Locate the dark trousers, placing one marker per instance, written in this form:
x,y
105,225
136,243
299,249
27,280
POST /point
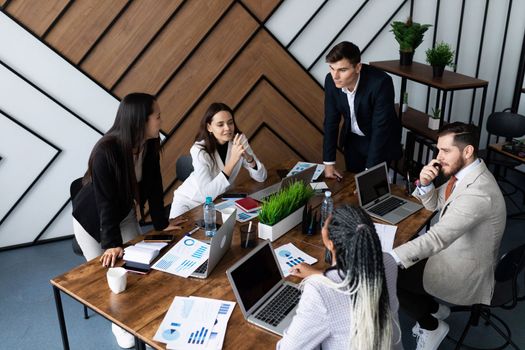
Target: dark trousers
x,y
413,298
356,150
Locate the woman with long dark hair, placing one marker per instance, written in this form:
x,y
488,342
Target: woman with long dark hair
x,y
353,304
123,170
219,152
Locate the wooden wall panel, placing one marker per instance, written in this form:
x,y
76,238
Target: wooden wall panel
x,y
190,53
127,38
206,64
81,25
172,47
261,8
36,15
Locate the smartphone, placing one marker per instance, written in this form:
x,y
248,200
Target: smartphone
x,y
233,195
136,269
159,238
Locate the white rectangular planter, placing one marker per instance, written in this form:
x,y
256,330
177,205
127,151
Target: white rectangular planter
x,y
274,232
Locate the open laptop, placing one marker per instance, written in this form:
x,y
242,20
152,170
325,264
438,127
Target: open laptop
x,y
375,197
305,176
265,298
219,245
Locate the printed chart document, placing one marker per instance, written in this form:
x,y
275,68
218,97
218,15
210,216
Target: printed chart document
x,y
289,255
195,323
184,257
242,216
386,234
300,166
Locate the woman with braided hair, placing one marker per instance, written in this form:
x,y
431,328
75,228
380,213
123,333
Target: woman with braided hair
x,y
353,304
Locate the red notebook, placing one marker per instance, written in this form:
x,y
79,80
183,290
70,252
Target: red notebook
x,y
248,204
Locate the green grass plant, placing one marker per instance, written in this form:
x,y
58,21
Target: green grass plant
x,y
283,203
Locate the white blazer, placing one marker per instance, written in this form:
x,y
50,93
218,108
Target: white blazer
x,y
208,180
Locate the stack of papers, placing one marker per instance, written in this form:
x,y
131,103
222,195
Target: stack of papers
x,y
142,252
289,255
195,323
184,257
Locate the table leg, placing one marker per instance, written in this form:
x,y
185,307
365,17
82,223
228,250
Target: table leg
x,y
139,344
61,320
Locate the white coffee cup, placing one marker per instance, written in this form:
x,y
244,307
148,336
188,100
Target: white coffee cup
x,y
226,212
117,279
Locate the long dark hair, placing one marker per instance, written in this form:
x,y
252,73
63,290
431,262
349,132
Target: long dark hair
x,y
127,135
210,142
360,264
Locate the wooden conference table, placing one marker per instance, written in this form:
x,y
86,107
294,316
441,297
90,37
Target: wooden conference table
x,y
142,306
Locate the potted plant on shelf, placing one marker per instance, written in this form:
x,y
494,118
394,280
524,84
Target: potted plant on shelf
x,y
409,35
283,210
405,102
433,121
438,57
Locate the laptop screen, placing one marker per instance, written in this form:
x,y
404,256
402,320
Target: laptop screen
x,y
373,184
256,276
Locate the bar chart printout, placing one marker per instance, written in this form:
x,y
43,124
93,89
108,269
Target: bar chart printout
x,y
184,257
190,322
289,255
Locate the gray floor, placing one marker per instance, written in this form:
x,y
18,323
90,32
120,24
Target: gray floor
x,y
28,316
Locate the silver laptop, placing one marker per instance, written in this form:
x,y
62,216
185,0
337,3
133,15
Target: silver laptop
x,y
265,298
305,176
219,245
375,197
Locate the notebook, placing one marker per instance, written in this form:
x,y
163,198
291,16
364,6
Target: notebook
x,y
305,176
375,197
265,298
248,204
219,245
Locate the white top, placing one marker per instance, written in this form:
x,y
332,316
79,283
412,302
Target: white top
x,y
323,315
207,178
350,96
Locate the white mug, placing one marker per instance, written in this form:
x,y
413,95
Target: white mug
x,y
117,279
226,212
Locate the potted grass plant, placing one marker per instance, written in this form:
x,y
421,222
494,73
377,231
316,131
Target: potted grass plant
x,y
283,210
433,120
409,35
438,57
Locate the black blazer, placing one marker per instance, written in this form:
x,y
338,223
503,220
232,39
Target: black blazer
x,y
100,207
375,114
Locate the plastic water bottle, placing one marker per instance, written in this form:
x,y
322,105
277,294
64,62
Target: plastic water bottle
x,y
327,207
210,216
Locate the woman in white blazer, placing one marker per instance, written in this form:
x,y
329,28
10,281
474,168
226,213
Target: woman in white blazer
x,y
219,152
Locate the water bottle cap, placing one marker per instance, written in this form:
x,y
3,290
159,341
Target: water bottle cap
x,y
328,194
208,200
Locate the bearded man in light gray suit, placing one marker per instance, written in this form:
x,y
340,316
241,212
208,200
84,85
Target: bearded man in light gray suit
x,y
454,260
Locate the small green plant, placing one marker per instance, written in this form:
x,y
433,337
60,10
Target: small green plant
x,y
283,203
408,34
436,113
440,55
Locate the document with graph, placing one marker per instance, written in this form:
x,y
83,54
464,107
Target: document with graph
x,y
195,323
184,257
289,255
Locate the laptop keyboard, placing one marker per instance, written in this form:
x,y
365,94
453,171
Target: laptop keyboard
x,y
280,306
387,206
203,268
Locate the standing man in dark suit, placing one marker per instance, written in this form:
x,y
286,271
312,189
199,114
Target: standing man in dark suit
x,y
364,96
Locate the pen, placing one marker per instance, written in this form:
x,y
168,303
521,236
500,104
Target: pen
x,y
192,231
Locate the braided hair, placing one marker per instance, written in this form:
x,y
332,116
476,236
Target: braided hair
x,y
359,263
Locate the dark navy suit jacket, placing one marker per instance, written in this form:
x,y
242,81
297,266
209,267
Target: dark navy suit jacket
x,y
375,114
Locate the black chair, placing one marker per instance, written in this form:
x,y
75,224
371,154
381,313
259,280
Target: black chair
x,y
74,188
505,297
184,167
507,125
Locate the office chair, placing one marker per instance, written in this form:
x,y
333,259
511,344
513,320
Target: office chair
x,y
507,125
74,188
184,167
505,297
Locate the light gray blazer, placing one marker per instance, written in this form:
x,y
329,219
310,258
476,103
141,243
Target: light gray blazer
x,y
462,247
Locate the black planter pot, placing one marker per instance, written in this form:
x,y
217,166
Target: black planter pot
x,y
437,71
406,58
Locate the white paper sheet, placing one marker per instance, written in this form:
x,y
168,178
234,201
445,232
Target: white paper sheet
x,y
184,257
289,255
386,234
300,166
